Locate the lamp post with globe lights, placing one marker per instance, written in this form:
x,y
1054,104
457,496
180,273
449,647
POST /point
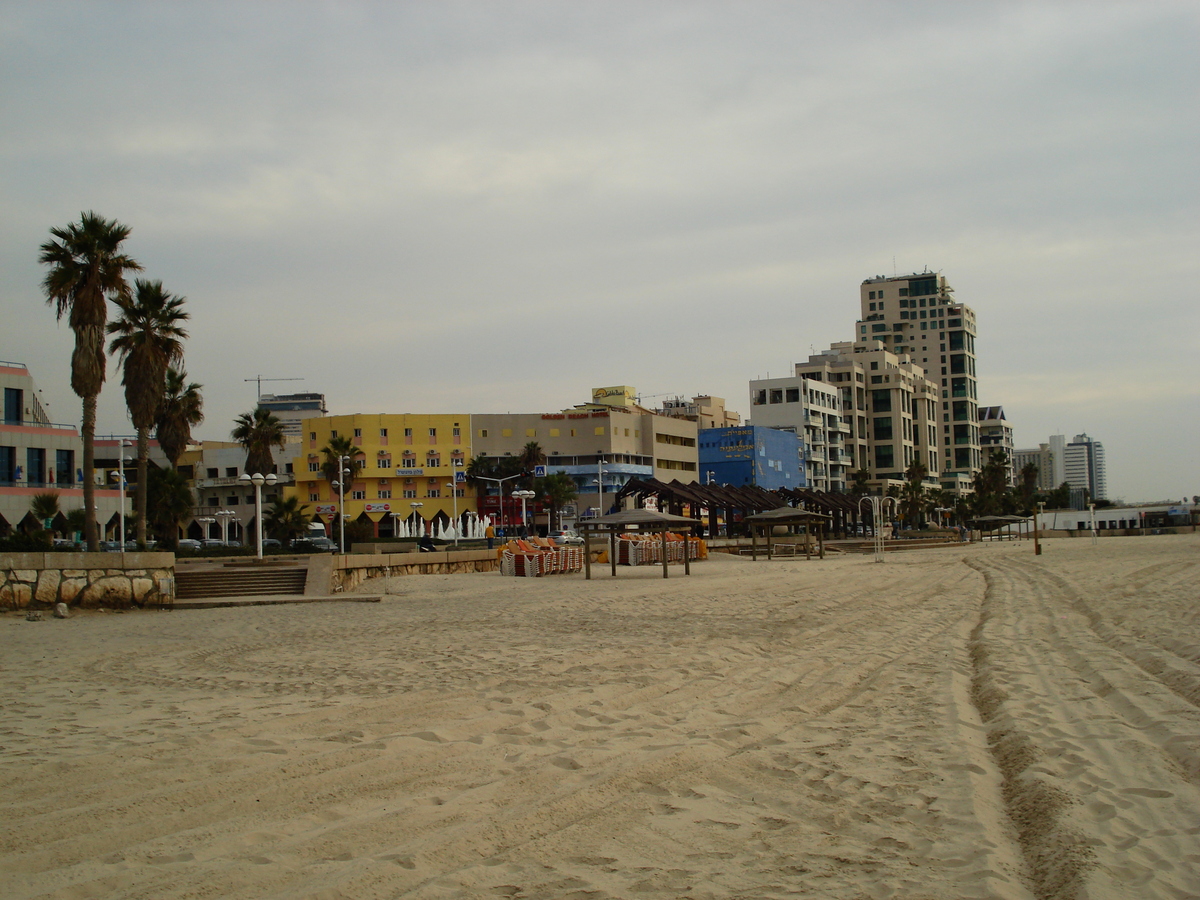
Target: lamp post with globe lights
x,y
258,480
225,515
343,474
523,496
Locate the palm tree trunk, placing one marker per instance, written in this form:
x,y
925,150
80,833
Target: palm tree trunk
x,y
88,430
143,439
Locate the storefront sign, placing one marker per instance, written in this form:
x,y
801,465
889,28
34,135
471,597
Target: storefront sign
x,y
409,472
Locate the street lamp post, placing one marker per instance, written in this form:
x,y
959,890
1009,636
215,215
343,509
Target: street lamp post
x,y
206,521
500,489
225,515
415,505
258,480
600,463
523,496
121,445
340,484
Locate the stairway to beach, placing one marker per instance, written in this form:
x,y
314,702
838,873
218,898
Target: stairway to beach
x,y
240,581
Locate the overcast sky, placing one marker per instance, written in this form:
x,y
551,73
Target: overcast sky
x,y
492,206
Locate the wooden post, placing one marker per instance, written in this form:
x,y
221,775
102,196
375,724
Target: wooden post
x,y
587,554
821,538
687,539
612,549
753,544
664,553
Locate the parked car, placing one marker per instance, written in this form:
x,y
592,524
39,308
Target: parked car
x,y
189,544
314,545
212,544
565,537
268,544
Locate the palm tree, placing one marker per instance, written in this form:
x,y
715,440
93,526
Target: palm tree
x,y
258,432
182,407
287,519
859,479
170,502
148,339
531,455
86,269
914,491
339,446
556,490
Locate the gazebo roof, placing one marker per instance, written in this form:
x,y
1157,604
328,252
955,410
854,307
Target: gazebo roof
x,y
785,514
641,518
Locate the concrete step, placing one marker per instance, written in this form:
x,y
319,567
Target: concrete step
x,y
240,583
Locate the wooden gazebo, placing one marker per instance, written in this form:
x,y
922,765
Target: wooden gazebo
x,y
646,520
786,515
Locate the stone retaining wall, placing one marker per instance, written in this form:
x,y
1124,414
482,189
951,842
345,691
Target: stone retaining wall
x,y
88,580
352,570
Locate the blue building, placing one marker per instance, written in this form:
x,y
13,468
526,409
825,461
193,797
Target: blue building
x,y
751,455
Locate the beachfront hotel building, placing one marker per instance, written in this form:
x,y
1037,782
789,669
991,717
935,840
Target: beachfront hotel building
x,y
1084,467
605,442
860,407
39,456
1043,459
995,438
916,317
808,406
401,460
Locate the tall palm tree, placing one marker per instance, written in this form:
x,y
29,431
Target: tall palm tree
x,y
148,339
531,455
182,407
87,268
339,446
258,432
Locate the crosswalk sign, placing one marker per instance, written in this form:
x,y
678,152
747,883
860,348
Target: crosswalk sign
x,y
460,477
539,471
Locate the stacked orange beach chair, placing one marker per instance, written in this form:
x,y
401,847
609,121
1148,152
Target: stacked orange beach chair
x,y
539,556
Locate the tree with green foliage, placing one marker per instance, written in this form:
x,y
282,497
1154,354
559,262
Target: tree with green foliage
x,y
87,268
1027,487
43,506
259,431
287,519
148,339
912,502
182,407
340,446
556,490
859,479
531,455
1060,497
169,502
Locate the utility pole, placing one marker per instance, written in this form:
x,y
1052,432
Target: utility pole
x,y
258,379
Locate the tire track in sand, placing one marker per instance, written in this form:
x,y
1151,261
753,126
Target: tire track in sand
x,y
1090,744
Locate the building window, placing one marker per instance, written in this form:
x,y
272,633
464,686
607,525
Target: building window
x,y
793,395
776,395
384,494
314,467
457,432
410,494
333,433
433,432
313,496
358,495
483,432
383,432
434,493
358,432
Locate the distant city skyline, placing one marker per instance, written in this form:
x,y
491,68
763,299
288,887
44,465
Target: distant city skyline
x,y
497,206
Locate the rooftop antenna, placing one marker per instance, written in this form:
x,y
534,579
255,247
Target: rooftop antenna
x,y
258,379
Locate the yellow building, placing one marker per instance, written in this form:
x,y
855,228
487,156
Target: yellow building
x,y
402,460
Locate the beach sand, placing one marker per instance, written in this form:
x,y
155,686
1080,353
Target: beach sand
x,y
971,722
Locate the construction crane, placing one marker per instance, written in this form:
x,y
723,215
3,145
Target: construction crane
x,y
258,379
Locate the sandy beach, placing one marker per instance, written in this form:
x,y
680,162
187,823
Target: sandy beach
x,y
973,722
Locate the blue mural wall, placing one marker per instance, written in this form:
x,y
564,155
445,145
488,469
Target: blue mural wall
x,y
751,455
